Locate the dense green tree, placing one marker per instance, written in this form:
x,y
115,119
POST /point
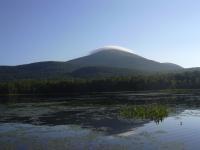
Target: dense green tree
x,y
188,80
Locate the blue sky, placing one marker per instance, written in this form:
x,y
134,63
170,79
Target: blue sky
x,y
41,30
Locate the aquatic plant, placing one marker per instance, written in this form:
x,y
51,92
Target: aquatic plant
x,y
153,112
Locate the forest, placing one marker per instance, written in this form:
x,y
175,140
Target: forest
x,y
186,80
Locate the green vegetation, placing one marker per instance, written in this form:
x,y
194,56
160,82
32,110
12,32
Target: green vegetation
x,y
187,80
153,112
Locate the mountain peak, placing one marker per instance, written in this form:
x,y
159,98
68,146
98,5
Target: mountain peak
x,y
112,48
108,60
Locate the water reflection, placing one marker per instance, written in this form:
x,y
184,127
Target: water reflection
x,y
111,113
100,118
105,121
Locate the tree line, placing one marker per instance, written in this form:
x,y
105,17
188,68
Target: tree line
x,y
186,80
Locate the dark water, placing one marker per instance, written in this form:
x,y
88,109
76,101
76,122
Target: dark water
x,y
123,120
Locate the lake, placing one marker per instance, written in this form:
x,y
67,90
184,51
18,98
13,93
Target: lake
x,y
118,120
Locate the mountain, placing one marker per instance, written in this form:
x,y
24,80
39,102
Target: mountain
x,y
93,72
40,70
118,58
107,61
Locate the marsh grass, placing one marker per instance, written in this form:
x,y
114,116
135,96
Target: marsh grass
x,y
155,112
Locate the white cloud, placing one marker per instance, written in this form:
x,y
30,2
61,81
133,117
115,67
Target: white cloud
x,y
113,47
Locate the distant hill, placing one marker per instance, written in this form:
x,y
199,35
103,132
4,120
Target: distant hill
x,y
117,58
94,72
107,61
40,70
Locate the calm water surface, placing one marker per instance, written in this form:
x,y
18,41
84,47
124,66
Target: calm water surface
x,y
124,120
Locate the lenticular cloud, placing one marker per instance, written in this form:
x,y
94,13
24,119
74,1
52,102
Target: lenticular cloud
x,y
119,48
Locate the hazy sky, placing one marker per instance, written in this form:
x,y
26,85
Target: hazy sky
x,y
40,30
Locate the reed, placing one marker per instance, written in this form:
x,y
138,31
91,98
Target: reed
x,y
155,112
